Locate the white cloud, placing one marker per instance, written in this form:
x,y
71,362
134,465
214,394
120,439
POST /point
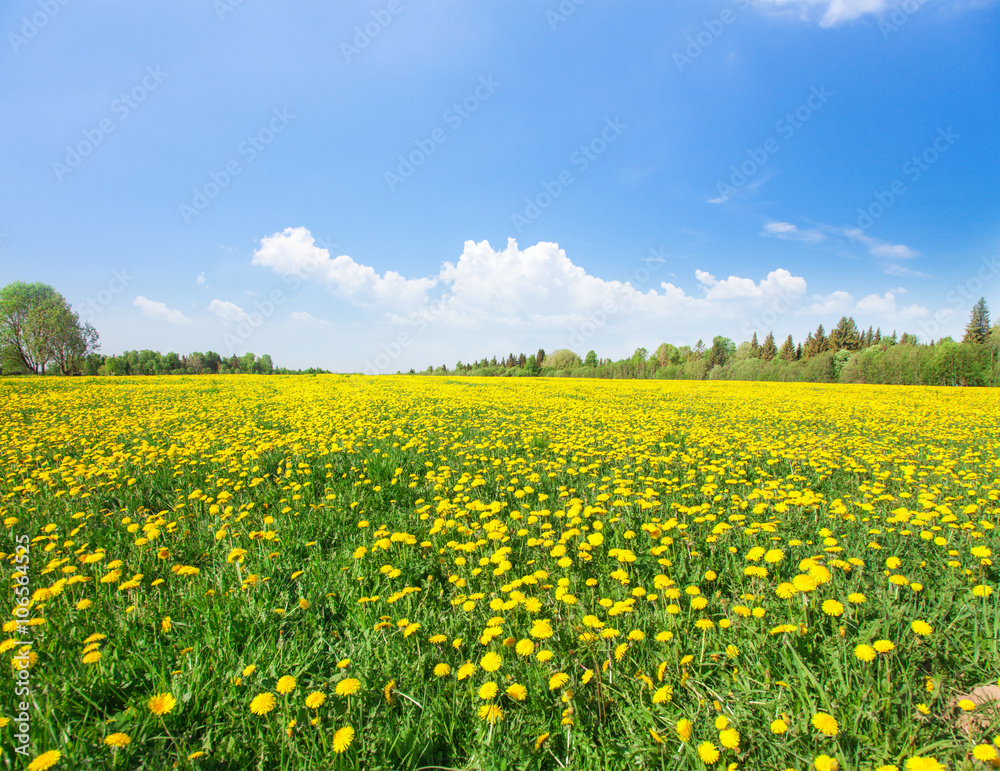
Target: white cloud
x,y
876,305
836,303
201,278
789,232
159,311
833,11
294,252
227,310
308,318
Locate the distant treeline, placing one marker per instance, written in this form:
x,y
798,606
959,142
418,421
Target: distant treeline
x,y
845,355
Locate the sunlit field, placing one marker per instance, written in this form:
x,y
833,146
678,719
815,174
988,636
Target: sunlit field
x,y
399,573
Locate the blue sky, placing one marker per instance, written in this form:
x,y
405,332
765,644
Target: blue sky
x,y
391,184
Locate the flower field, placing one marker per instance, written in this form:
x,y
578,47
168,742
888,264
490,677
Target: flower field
x,y
402,573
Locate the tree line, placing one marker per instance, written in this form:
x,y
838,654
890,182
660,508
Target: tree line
x,y
846,354
40,334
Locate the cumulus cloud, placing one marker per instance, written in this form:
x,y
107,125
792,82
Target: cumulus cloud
x,y
294,252
159,311
227,310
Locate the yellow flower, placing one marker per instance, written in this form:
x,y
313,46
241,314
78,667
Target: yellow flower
x,y
558,680
442,670
684,729
315,699
865,653
117,740
541,740
985,752
825,763
928,763
262,703
779,726
708,752
92,657
45,760
966,705
466,670
730,739
856,598
982,590
348,687
663,695
517,692
488,690
165,625
884,646
833,608
343,738
491,662
249,670
524,647
161,703
490,713
923,709
923,629
285,684
825,723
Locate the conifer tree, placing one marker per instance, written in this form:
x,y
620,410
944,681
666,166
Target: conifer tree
x,y
769,350
978,329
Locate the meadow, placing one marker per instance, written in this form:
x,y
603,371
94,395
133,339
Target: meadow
x,y
403,573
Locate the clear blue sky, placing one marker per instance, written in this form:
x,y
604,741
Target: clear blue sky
x,y
439,181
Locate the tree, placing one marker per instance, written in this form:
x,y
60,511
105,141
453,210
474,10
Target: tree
x,y
591,359
754,347
38,326
769,350
562,359
787,352
978,329
540,357
845,335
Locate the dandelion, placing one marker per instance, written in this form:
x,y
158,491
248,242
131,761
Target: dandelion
x,y
490,713
285,684
856,598
488,691
927,763
165,625
442,670
833,608
45,760
923,629
982,590
161,703
825,763
985,752
118,740
541,740
315,700
347,687
966,705
730,739
663,695
524,647
884,646
262,703
517,692
825,724
864,653
684,729
491,662
466,670
708,752
558,680
342,739
779,726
